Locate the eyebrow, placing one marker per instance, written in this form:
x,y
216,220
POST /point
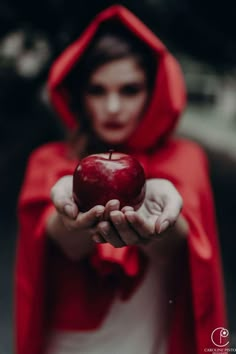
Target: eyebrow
x,y
132,82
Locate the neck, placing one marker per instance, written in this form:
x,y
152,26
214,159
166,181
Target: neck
x,y
95,145
83,144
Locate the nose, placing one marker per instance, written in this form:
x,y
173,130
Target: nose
x,y
113,103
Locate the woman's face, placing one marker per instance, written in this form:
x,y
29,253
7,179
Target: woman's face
x,y
115,99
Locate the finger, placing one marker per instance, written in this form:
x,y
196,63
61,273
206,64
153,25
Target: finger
x,y
91,217
113,204
61,196
126,233
171,211
108,232
71,210
127,208
66,206
98,238
144,227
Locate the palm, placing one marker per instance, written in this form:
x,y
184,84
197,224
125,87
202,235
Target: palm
x,y
161,202
154,203
151,209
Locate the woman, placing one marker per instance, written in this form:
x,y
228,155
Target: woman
x,y
111,280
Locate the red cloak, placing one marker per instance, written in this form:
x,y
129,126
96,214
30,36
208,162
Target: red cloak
x,y
77,288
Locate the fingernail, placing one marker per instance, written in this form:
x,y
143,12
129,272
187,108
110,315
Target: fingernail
x,y
130,215
116,218
69,210
104,231
99,212
127,208
164,226
113,202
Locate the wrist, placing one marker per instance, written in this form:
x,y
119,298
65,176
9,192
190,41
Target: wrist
x,y
180,229
74,244
55,226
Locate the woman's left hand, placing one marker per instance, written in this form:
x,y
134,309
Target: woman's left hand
x,y
159,212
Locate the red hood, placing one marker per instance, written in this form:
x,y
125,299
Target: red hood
x,y
169,91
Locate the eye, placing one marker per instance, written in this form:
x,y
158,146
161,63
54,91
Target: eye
x,y
132,89
95,90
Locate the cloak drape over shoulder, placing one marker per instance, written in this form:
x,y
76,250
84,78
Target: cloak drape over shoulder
x,y
199,304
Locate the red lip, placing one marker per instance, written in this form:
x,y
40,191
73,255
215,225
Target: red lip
x,y
113,125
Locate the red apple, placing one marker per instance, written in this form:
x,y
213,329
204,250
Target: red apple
x,y
99,178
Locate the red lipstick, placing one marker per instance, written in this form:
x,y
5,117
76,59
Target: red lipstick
x,y
113,125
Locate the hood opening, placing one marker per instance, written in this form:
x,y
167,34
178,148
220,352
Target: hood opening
x,y
168,90
111,42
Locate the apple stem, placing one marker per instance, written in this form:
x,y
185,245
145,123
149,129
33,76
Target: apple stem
x,y
110,151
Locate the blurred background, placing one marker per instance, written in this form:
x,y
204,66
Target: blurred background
x,y
201,34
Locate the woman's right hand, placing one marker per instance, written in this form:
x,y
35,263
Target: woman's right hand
x,y
71,229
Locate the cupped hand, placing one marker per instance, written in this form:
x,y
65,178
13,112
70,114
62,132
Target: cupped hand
x,y
160,211
114,228
61,196
71,229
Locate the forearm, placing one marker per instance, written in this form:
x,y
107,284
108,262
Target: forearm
x,y
73,245
174,236
180,229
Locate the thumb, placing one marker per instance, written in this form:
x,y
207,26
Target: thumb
x,y
71,210
61,196
66,206
168,217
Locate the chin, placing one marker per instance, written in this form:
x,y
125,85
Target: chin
x,y
114,142
114,139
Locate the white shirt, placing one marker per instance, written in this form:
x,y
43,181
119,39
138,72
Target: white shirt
x,y
135,326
